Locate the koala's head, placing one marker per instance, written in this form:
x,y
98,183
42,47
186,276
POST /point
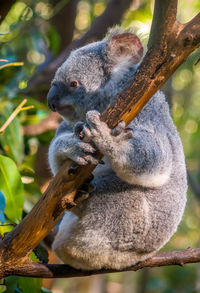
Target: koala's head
x,y
88,70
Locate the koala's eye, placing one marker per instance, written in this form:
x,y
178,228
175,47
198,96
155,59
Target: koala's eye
x,y
74,83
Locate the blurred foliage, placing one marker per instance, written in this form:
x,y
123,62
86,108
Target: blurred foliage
x,y
28,37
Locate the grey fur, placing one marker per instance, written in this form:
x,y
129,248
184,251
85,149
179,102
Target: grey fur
x,y
140,192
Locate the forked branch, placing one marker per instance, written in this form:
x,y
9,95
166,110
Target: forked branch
x,y
168,51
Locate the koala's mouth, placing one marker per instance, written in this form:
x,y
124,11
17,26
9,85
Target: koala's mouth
x,y
66,111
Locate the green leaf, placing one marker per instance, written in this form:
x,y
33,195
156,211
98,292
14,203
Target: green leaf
x,y
33,257
12,188
11,284
30,285
23,285
5,228
11,139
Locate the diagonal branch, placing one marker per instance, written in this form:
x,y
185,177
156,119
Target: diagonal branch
x,y
158,65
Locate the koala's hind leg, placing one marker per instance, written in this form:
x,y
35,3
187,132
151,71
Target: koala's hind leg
x,y
83,242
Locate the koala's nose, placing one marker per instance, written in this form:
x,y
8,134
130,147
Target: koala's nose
x,y
53,98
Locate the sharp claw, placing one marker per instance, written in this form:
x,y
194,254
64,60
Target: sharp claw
x,y
87,188
78,128
80,196
73,168
128,129
80,191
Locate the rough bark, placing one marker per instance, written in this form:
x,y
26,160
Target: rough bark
x,y
179,257
170,50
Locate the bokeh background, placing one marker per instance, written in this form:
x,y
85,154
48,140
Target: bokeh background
x,y
35,37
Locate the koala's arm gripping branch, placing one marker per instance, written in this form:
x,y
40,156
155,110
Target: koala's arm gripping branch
x,y
169,49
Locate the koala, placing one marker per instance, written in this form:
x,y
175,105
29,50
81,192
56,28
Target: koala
x,y
140,190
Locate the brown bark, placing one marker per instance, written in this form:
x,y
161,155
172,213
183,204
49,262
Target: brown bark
x,y
171,49
179,257
64,22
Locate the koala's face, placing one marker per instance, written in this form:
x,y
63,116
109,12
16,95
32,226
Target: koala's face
x,y
76,87
81,75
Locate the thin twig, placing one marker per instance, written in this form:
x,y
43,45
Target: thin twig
x,y
12,64
13,115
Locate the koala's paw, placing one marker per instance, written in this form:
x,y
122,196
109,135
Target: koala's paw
x,y
105,139
95,130
84,153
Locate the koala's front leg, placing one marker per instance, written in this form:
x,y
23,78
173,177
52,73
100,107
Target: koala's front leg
x,y
143,157
67,145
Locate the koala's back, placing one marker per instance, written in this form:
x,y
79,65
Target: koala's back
x,y
120,223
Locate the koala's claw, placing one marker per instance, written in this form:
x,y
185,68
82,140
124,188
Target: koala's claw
x,y
119,128
86,159
84,192
73,168
78,127
80,196
126,134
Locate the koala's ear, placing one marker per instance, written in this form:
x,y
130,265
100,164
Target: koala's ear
x,y
126,46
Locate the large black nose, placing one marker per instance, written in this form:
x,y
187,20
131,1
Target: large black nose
x,y
53,97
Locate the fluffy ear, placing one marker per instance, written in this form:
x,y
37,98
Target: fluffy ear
x,y
125,47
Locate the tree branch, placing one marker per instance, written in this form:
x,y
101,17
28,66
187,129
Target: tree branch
x,y
179,257
64,21
163,21
158,65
